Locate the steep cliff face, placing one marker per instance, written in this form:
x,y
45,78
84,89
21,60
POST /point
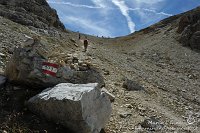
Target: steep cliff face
x,y
36,13
189,28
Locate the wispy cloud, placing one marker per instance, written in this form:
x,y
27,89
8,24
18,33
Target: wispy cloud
x,y
150,10
105,5
75,5
125,11
101,17
87,25
150,2
100,3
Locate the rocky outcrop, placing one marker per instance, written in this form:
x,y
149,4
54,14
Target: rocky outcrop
x,y
36,13
189,28
183,23
31,66
79,107
195,40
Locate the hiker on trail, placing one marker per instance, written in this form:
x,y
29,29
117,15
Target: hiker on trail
x,y
79,36
85,43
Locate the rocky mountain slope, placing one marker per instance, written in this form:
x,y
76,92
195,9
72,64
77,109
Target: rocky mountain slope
x,y
36,13
189,27
153,59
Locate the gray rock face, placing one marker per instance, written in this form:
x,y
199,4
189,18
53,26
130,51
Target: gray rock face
x,y
79,107
195,40
185,36
36,13
183,22
29,66
189,28
2,81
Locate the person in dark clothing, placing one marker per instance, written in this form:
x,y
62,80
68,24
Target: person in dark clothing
x,y
79,36
85,43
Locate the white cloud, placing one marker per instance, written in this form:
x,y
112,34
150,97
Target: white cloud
x,y
106,6
158,13
148,1
125,11
74,5
101,3
150,10
88,25
96,16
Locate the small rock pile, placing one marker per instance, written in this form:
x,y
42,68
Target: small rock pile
x,y
189,28
75,63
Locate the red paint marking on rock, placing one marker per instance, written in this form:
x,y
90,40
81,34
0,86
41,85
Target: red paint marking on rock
x,y
50,68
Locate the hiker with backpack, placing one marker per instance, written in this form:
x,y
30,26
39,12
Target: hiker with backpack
x,y
85,43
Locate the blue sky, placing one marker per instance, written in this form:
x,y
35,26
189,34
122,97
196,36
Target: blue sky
x,y
116,17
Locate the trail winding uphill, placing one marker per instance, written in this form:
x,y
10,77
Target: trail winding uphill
x,y
168,71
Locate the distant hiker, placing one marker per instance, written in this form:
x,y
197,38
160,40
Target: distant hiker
x,y
79,36
85,43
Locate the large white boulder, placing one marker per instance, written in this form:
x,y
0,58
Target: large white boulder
x,y
82,108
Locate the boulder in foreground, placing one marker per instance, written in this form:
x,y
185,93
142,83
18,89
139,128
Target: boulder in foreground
x,y
79,107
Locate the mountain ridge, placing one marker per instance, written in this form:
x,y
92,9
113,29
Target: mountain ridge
x,y
36,13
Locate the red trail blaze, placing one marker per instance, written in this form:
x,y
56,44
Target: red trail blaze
x,y
49,68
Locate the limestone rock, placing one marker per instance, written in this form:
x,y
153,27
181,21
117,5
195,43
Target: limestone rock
x,y
79,107
28,42
185,36
2,55
183,22
195,40
125,114
106,72
189,28
36,13
132,85
110,95
196,26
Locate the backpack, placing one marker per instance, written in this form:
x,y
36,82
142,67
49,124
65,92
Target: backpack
x,y
86,42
